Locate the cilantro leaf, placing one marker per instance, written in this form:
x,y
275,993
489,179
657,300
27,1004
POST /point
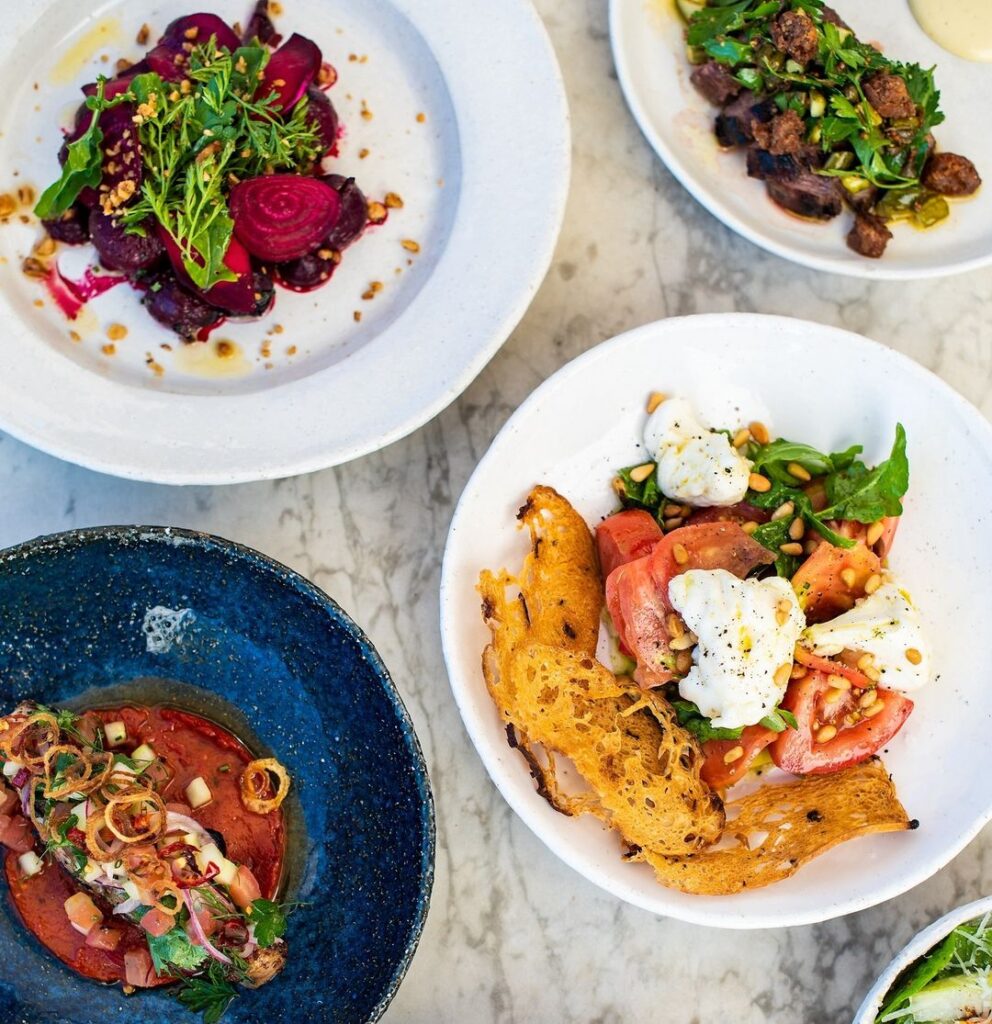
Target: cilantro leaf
x,y
269,920
174,949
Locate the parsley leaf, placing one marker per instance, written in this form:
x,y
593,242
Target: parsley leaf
x,y
269,920
210,995
174,949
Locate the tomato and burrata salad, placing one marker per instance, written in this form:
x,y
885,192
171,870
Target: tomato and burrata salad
x,y
748,577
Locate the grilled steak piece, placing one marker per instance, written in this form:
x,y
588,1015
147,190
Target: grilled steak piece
x,y
869,235
782,134
795,34
808,194
889,95
951,175
735,125
763,165
715,82
863,201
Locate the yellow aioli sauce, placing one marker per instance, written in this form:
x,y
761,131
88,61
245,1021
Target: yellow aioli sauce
x,y
221,358
96,40
963,27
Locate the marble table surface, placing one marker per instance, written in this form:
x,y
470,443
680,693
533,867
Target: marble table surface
x,y
514,936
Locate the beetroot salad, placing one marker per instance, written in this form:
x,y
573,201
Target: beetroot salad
x,y
198,174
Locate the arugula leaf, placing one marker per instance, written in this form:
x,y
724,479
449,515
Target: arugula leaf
x,y
867,495
773,458
646,494
693,720
174,949
269,920
777,496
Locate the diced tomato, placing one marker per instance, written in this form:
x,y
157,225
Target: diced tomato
x,y
819,583
8,799
742,512
624,537
716,773
797,750
84,915
207,922
828,665
103,937
156,922
245,889
15,833
178,808
138,968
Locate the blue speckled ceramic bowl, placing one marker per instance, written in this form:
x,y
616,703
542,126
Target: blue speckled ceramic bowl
x,y
93,616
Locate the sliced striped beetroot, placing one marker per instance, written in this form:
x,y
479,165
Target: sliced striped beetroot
x,y
291,71
281,217
236,296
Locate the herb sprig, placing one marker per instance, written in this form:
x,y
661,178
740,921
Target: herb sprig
x,y
693,720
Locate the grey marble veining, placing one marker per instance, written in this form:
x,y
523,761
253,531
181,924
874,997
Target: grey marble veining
x,y
514,936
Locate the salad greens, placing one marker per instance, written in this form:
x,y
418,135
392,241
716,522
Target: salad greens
x,y
693,720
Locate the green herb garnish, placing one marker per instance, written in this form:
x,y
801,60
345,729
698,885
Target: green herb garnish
x,y
269,920
693,720
175,950
60,841
210,995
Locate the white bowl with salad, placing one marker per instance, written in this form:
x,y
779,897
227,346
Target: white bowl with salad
x,y
924,701
943,976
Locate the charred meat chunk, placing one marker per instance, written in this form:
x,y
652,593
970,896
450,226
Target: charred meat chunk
x,y
715,82
889,95
782,135
735,125
869,235
795,34
951,175
807,194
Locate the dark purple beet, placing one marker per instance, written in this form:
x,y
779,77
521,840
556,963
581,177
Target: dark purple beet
x,y
306,273
169,56
264,290
121,251
178,309
260,26
72,227
354,212
324,117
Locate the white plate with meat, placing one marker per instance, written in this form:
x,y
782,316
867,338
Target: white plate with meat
x,y
653,63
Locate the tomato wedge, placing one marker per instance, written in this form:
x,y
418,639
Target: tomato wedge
x,y
624,537
638,610
828,665
740,513
716,773
797,750
819,581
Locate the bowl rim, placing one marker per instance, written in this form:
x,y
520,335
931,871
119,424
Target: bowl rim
x,y
177,536
522,805
917,946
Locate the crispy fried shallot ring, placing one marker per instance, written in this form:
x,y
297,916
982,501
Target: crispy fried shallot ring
x,y
166,887
144,824
75,775
257,785
20,751
102,854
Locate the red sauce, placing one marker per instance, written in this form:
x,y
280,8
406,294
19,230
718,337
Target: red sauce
x,y
70,296
191,746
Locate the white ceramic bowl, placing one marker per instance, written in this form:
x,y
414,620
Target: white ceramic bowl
x,y
483,177
913,950
811,383
649,51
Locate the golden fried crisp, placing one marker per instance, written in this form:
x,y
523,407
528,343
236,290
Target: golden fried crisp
x,y
641,767
780,827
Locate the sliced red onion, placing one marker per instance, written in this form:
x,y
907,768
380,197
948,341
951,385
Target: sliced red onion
x,y
175,822
128,906
201,935
20,778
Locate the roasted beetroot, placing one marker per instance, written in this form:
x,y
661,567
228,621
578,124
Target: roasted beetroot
x,y
308,272
322,115
260,26
169,58
291,71
72,227
120,250
231,296
178,308
281,217
354,212
263,292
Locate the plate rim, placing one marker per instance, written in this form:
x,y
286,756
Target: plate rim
x,y
873,270
523,805
137,535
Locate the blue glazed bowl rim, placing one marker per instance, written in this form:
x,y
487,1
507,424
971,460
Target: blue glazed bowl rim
x,y
137,535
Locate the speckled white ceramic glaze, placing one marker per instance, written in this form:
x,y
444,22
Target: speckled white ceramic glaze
x,y
483,175
649,51
831,389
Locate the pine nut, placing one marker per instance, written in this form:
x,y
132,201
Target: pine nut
x,y
759,483
866,660
873,583
680,554
913,656
782,674
749,527
794,469
741,438
783,511
849,577
828,732
839,682
798,671
875,532
654,400
797,528
682,643
811,545
619,488
675,625
732,755
872,673
792,548
782,611
759,432
673,510
683,662
833,696
874,709
867,699
640,473
673,524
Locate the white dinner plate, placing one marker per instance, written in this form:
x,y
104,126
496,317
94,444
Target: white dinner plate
x,y
649,51
465,119
810,383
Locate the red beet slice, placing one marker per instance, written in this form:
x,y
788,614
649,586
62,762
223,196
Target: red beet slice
x,y
169,58
231,296
322,115
296,65
120,250
281,217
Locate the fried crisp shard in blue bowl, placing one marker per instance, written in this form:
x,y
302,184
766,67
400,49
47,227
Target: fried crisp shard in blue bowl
x,y
156,685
